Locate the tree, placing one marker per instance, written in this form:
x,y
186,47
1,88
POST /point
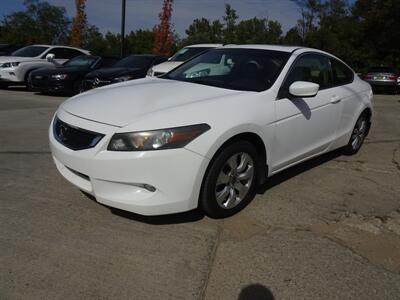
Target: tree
x,y
163,33
40,22
203,31
230,19
257,31
79,24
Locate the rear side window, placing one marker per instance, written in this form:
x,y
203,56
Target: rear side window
x,y
312,68
341,73
64,53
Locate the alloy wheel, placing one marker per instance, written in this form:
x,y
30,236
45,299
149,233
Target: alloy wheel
x,y
234,180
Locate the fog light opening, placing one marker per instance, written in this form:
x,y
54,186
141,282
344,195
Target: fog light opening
x,y
149,187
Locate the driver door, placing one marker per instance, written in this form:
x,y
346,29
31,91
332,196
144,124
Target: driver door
x,y
305,126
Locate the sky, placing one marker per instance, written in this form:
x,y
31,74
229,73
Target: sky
x,y
143,14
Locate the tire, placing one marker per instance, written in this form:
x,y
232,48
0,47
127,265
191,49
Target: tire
x,y
78,87
220,194
27,82
358,135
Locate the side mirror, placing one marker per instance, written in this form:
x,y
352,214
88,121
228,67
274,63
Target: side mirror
x,y
303,89
50,57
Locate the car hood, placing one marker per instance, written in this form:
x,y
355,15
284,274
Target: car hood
x,y
124,103
166,66
5,59
111,73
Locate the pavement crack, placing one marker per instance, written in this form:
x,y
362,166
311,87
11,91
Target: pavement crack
x,y
212,260
394,160
382,141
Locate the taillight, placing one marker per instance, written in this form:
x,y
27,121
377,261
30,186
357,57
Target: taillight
x,y
367,76
392,77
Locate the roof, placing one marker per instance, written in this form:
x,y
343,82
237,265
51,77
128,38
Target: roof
x,y
266,47
205,46
44,45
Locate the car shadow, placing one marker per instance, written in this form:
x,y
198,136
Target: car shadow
x,y
297,170
197,215
184,217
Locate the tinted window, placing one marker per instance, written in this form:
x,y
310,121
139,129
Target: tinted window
x,y
81,61
341,73
135,62
106,62
311,68
64,53
383,70
237,69
187,53
30,51
71,53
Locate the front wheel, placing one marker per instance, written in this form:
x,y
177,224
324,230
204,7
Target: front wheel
x,y
230,182
358,135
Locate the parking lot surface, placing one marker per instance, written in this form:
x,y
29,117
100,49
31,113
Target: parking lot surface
x,y
326,229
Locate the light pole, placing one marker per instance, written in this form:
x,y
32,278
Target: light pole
x,y
123,28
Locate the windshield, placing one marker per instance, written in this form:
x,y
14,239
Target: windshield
x,y
135,62
30,51
236,69
187,53
81,61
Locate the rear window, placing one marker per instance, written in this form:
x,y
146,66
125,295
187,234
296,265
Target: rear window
x,y
135,62
383,70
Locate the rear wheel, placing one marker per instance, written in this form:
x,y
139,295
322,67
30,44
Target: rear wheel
x,y
230,182
358,135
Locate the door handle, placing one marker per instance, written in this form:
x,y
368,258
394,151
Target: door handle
x,y
335,99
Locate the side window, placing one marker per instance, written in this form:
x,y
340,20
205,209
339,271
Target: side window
x,y
58,53
341,73
312,68
70,53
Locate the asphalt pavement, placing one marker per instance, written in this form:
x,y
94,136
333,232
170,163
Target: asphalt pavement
x,y
326,229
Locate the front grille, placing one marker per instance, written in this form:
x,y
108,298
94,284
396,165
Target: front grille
x,y
73,137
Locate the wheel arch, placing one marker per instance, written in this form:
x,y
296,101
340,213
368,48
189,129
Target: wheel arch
x,y
259,145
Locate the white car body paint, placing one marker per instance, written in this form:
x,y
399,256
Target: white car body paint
x,y
292,131
28,64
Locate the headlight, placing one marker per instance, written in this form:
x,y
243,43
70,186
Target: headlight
x,y
150,72
10,65
156,139
59,76
123,78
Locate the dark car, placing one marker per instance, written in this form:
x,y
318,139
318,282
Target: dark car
x,y
383,79
128,68
7,49
68,77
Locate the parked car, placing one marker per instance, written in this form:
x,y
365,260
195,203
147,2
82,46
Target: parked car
x,y
208,139
128,68
180,57
15,69
384,79
8,49
68,77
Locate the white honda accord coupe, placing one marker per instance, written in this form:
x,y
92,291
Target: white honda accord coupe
x,y
209,132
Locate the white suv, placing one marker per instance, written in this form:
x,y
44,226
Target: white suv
x,y
179,58
17,67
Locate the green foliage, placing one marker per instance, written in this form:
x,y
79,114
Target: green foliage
x,y
39,23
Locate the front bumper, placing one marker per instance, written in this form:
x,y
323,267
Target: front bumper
x,y
10,75
47,85
116,179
